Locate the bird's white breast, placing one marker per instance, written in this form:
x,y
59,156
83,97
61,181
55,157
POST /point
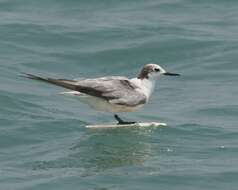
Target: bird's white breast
x,y
145,86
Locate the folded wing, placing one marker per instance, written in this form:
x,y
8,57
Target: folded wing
x,y
116,90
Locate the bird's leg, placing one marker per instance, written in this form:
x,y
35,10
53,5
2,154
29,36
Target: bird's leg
x,y
121,122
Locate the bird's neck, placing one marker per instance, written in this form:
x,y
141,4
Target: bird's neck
x,y
146,85
149,86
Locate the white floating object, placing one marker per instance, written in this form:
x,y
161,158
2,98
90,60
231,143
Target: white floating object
x,y
140,124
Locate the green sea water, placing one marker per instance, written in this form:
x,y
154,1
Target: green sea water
x,y
43,140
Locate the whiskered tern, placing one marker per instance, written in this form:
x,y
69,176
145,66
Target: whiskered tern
x,y
112,93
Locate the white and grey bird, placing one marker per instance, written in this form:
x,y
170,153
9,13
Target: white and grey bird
x,y
112,93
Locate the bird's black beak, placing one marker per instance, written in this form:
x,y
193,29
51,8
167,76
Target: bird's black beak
x,y
171,74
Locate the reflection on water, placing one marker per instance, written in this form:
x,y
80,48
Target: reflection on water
x,y
98,150
111,148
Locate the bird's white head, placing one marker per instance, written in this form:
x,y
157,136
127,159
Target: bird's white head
x,y
153,72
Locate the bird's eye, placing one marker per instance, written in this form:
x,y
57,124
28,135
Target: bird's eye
x,y
157,70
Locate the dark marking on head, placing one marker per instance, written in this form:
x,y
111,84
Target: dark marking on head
x,y
145,71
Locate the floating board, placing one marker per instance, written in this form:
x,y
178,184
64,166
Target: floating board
x,y
139,124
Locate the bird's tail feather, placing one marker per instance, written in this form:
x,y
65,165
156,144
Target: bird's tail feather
x,y
69,84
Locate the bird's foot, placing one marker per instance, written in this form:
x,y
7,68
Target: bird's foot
x,y
122,122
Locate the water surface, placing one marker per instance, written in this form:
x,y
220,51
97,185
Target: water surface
x,y
43,140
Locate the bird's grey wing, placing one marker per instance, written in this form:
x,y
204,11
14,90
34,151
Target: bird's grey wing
x,y
116,90
94,87
131,99
103,78
69,84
